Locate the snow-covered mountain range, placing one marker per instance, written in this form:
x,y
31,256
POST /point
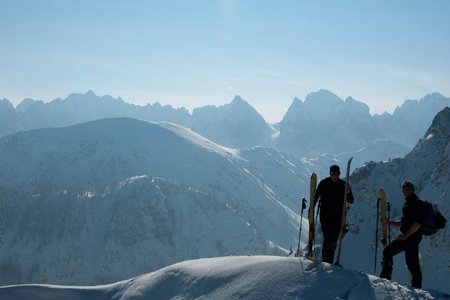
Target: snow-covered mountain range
x,y
110,199
322,124
116,190
253,277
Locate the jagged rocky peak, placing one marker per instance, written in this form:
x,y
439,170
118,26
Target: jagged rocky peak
x,y
90,93
243,106
430,104
238,103
294,111
28,103
238,99
440,127
323,97
323,103
434,97
357,106
5,104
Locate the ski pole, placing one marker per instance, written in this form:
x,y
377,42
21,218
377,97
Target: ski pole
x,y
301,222
389,220
376,237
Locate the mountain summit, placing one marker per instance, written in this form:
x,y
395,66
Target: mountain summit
x,y
236,124
254,277
325,123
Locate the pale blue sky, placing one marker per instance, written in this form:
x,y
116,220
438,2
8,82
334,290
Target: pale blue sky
x,y
194,53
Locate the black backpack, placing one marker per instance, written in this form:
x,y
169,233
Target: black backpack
x,y
433,219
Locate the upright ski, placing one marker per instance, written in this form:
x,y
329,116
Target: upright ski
x,y
382,215
344,211
312,204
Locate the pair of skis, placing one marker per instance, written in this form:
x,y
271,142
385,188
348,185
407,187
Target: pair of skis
x,y
311,236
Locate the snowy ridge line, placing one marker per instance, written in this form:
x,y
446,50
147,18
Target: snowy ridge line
x,y
235,277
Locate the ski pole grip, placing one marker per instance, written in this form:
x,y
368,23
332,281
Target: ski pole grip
x,y
303,202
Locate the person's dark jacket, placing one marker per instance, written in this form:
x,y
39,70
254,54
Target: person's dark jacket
x,y
413,211
331,202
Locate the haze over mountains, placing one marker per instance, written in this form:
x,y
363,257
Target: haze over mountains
x,y
322,124
110,199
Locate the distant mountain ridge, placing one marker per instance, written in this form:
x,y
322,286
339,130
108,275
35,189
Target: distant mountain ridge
x,y
322,124
236,125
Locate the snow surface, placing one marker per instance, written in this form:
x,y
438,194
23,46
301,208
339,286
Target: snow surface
x,y
236,277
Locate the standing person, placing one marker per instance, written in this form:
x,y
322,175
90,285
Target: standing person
x,y
410,237
331,191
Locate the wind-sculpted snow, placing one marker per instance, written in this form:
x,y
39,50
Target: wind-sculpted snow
x,y
258,277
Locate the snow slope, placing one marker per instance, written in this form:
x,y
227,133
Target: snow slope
x,y
105,235
256,277
137,189
103,152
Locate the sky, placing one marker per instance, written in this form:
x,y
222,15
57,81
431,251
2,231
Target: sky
x,y
195,53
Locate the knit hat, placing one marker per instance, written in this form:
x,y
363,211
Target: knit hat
x,y
409,184
334,169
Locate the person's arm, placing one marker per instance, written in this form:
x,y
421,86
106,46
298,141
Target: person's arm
x,y
414,227
318,192
395,223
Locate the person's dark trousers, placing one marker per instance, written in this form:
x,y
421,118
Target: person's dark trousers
x,y
330,239
411,248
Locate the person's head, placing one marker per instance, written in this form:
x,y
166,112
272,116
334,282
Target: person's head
x,y
335,172
408,188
